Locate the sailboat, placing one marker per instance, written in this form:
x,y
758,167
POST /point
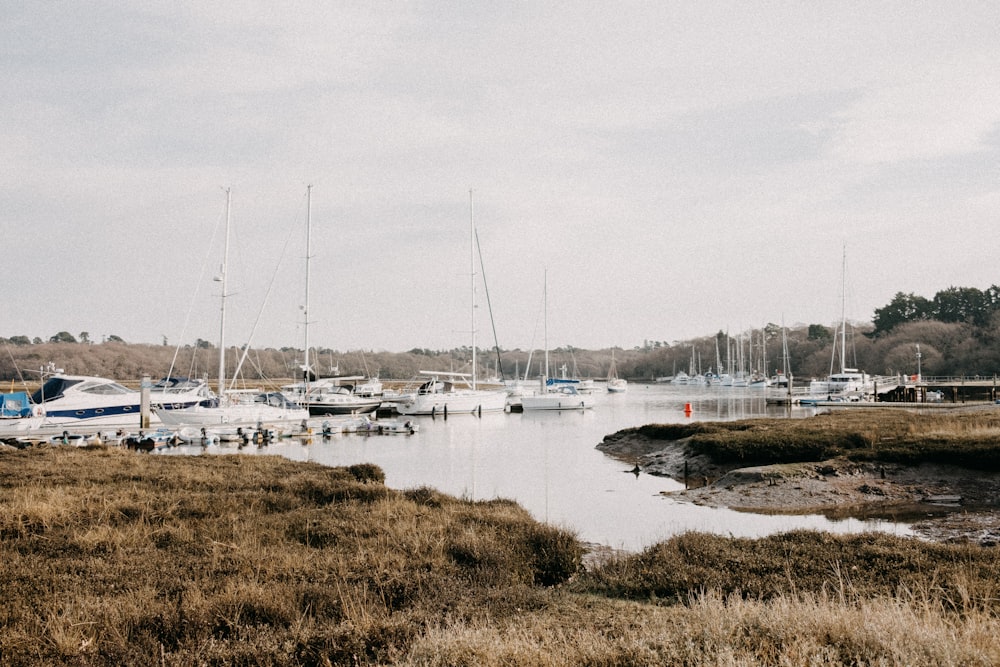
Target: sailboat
x,y
253,407
616,385
554,395
849,384
440,393
780,390
325,396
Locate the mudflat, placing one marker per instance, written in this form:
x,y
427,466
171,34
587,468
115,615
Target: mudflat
x,y
935,472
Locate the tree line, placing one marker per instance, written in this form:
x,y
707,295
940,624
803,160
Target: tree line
x,y
953,305
955,333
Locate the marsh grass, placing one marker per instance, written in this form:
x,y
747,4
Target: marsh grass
x,y
109,557
886,435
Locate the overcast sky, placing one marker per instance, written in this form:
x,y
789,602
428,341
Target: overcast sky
x,y
678,168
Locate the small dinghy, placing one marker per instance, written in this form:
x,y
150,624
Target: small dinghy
x,y
194,435
67,438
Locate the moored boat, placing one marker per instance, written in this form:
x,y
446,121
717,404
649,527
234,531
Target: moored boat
x,y
72,401
439,396
561,397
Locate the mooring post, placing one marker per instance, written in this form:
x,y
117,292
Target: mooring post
x,y
144,388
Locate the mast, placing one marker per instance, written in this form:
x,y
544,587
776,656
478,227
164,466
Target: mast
x,y
472,277
545,328
305,308
222,319
843,313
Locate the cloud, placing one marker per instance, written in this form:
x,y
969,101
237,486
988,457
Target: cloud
x,y
938,113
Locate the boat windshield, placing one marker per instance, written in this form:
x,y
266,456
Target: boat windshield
x,y
52,389
276,400
105,388
177,384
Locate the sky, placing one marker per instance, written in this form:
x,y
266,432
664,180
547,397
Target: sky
x,y
652,171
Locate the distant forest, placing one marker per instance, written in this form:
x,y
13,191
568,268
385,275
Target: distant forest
x,y
955,333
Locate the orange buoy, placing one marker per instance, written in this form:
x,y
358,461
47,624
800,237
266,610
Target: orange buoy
x,y
687,409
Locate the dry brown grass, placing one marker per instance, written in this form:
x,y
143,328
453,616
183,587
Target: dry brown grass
x,y
889,435
715,630
109,557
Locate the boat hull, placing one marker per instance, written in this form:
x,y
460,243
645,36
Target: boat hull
x,y
233,414
454,402
360,406
556,401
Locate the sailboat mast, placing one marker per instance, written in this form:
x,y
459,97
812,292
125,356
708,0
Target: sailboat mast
x,y
843,313
305,307
222,318
472,277
545,327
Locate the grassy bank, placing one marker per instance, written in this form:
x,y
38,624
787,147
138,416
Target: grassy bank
x,y
110,557
969,439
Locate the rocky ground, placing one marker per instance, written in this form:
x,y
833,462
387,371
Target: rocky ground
x,y
943,503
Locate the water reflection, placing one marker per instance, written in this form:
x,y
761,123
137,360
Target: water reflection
x,y
547,462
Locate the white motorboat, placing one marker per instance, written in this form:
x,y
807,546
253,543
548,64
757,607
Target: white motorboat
x,y
69,401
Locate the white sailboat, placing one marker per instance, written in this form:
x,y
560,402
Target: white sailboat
x,y
234,407
554,395
849,384
325,396
616,385
440,394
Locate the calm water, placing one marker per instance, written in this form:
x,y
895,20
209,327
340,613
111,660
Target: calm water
x,y
548,463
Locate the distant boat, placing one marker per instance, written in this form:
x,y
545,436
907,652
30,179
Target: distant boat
x,y
616,385
555,393
848,384
680,378
437,396
563,397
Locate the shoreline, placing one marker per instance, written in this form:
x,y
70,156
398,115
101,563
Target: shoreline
x,y
942,503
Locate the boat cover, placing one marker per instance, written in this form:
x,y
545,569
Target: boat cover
x,y
15,404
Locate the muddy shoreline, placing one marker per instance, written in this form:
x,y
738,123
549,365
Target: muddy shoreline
x,y
942,503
